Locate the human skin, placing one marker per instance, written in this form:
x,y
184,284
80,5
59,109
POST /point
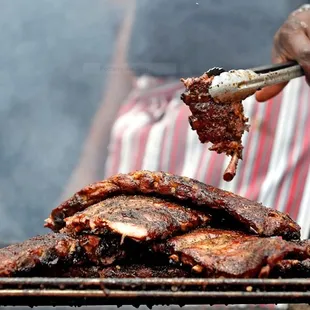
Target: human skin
x,y
291,42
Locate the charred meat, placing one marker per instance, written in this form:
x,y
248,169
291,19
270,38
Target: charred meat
x,y
102,251
292,268
131,271
41,250
141,218
220,123
135,224
143,271
60,250
224,253
116,271
252,216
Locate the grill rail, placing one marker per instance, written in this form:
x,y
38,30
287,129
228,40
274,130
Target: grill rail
x,y
155,291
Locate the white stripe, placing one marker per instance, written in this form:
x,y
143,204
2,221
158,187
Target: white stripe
x,y
116,133
151,159
282,142
128,147
193,152
203,168
253,147
172,113
303,104
231,186
303,217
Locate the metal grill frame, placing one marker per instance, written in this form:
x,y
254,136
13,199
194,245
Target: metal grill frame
x,y
153,291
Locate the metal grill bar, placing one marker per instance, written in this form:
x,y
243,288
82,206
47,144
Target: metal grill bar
x,y
56,291
152,281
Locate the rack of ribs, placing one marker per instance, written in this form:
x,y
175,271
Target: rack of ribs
x,y
142,218
222,124
155,224
249,215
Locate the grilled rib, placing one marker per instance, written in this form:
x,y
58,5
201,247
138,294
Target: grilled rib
x,y
222,124
40,250
59,249
216,253
253,216
141,218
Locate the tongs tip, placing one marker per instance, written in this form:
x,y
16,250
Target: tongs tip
x,y
240,84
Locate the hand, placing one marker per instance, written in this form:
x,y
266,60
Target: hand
x,y
291,42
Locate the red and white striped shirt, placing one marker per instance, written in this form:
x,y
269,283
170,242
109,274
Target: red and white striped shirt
x,y
152,132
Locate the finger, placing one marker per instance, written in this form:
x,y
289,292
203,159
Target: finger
x,y
294,44
269,92
291,43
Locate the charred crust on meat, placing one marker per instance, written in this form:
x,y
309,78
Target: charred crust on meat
x,y
116,271
141,218
252,216
60,249
291,268
230,254
40,250
222,124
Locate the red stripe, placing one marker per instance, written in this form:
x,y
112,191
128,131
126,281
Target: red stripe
x,y
198,175
290,162
300,172
295,198
165,155
268,130
177,155
115,154
116,140
210,173
140,148
214,172
253,189
288,207
162,155
243,165
135,141
144,134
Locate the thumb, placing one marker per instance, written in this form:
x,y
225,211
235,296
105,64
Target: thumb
x,y
269,92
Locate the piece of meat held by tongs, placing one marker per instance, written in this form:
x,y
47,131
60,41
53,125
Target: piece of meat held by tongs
x,y
215,100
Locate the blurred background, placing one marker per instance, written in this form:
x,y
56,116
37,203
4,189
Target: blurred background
x,y
49,92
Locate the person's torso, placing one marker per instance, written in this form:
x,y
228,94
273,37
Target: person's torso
x,y
187,37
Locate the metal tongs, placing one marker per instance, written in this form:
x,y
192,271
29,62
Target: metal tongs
x,y
239,84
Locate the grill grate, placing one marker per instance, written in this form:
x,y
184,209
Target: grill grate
x,y
77,292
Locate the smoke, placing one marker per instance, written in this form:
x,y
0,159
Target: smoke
x,y
47,100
